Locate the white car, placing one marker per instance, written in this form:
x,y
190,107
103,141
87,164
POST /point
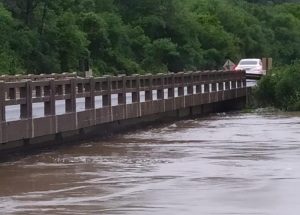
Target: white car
x,y
252,66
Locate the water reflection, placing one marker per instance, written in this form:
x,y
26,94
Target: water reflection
x,y
222,164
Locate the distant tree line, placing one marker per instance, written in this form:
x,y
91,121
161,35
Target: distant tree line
x,y
138,36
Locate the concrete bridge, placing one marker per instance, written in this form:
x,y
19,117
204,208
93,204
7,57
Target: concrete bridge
x,y
52,109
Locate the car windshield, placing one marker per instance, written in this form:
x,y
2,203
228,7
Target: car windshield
x,y
248,62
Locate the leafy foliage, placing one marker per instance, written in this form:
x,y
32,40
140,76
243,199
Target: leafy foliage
x,y
134,36
281,88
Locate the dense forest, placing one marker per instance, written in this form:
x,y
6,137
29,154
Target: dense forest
x,y
137,36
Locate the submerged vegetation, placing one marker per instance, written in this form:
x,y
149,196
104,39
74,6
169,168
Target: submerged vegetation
x,y
137,36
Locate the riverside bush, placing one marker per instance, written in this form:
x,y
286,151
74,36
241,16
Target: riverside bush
x,y
281,88
141,36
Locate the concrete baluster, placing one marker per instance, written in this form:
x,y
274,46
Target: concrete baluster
x,y
221,86
136,93
180,91
244,80
196,80
239,83
90,100
214,87
181,85
198,84
198,89
227,85
87,99
160,90
71,101
190,90
148,92
233,84
26,92
80,88
38,91
106,98
122,95
171,89
206,88
12,93
2,102
49,107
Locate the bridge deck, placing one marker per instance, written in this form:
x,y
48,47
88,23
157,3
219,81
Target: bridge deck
x,y
37,108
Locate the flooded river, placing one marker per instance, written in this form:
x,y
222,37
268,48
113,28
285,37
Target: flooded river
x,y
223,164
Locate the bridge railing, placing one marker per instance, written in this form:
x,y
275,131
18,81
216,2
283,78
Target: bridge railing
x,y
32,77
107,99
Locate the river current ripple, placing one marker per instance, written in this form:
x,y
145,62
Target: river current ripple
x,y
237,163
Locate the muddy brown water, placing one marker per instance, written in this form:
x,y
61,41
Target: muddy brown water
x,y
238,163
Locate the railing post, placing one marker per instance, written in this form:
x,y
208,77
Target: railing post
x,y
38,91
189,83
198,89
71,102
181,86
221,86
233,83
198,83
160,90
26,109
244,82
239,83
213,86
49,108
11,93
2,110
190,89
90,101
206,88
136,93
2,102
227,85
106,98
171,89
148,93
122,95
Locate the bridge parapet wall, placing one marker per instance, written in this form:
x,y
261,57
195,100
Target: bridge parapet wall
x,y
93,101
